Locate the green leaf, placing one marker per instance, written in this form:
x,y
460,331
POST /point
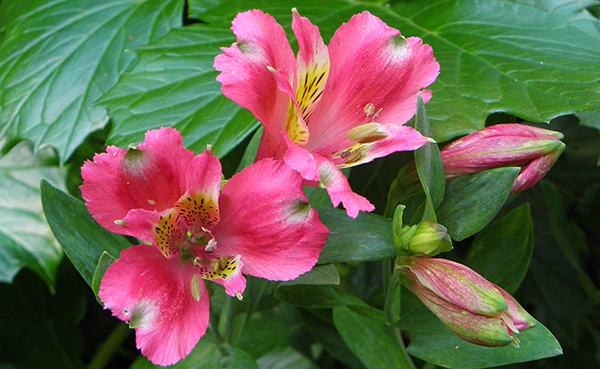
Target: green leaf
x,y
82,238
173,84
533,59
106,260
250,152
368,237
205,355
268,331
319,275
238,359
429,166
25,239
369,339
320,326
502,251
472,201
431,341
315,297
59,57
590,119
284,359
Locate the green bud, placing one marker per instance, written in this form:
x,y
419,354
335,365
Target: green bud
x,y
430,239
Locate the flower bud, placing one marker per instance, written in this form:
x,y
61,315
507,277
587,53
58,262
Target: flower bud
x,y
532,149
430,239
427,238
473,308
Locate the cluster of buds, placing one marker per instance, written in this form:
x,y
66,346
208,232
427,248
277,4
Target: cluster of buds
x,y
532,149
473,308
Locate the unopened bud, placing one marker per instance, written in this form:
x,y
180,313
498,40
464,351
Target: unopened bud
x,y
532,149
430,239
473,308
427,238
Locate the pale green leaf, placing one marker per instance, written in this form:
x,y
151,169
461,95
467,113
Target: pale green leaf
x,y
173,84
58,57
25,238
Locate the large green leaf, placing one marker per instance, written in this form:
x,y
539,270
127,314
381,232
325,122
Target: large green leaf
x,y
369,339
173,84
82,238
368,237
59,57
431,341
25,239
502,251
316,297
472,201
535,59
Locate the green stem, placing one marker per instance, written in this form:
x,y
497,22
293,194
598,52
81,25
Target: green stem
x,y
109,346
213,326
392,301
230,314
251,307
392,314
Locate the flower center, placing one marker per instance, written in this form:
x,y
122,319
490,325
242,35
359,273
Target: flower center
x,y
192,216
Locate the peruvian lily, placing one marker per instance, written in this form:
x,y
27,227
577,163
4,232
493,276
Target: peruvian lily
x,y
473,308
259,224
329,107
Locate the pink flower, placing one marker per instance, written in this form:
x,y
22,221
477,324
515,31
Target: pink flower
x,y
260,224
332,106
474,309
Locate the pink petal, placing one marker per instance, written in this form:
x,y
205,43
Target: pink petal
x,y
151,177
533,173
235,284
198,207
154,295
204,175
400,138
314,167
160,229
266,218
370,64
261,43
311,77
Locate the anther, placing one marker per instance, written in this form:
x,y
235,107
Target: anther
x,y
212,244
362,132
223,260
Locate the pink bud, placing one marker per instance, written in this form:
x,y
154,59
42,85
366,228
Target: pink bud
x,y
532,149
473,308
